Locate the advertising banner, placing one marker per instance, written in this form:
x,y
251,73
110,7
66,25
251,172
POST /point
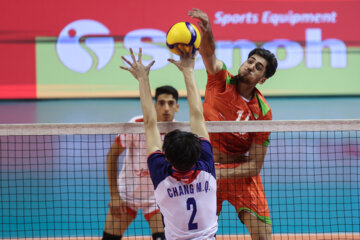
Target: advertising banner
x,y
73,49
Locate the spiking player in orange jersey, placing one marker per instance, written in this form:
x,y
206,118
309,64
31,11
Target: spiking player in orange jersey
x,y
239,156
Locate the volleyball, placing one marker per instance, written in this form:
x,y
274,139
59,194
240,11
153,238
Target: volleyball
x,y
183,33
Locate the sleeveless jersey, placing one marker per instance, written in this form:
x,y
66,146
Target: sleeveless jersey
x,y
187,200
223,103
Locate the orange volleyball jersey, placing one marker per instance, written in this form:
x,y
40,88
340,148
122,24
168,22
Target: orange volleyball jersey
x,y
223,103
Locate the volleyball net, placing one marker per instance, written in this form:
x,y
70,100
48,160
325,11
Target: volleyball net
x,y
54,181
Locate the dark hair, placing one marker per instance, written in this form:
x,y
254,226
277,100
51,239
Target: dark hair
x,y
182,149
269,57
166,90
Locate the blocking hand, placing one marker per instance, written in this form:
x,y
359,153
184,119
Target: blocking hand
x,y
187,58
137,69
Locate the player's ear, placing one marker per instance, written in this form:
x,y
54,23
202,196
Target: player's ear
x,y
177,107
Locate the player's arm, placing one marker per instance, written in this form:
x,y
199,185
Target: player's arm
x,y
186,66
112,174
112,167
207,45
141,73
250,168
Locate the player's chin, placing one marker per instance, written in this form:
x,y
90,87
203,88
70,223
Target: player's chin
x,y
166,117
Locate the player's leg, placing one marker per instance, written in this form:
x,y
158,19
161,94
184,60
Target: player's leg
x,y
153,217
157,227
251,204
258,229
115,226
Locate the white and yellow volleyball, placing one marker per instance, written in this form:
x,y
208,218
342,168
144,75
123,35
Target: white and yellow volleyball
x,y
183,33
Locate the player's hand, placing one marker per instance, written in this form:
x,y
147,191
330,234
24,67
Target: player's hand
x,y
204,23
187,58
117,206
136,68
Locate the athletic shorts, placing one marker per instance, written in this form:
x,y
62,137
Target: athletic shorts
x,y
245,194
149,209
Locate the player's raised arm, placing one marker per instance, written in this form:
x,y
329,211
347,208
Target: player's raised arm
x,y
207,45
141,73
186,66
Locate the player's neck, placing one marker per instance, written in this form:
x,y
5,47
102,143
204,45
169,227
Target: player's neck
x,y
246,91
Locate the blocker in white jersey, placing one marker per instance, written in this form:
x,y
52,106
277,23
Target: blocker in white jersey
x,y
187,199
136,190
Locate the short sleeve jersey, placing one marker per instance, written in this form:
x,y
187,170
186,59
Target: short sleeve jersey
x,y
187,200
223,103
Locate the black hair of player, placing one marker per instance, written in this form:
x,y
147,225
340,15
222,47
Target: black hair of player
x,y
166,90
182,149
270,58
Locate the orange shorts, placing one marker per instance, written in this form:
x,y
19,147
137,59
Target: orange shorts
x,y
245,194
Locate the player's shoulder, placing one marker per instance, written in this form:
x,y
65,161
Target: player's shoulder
x,y
263,105
139,118
206,144
202,139
218,80
220,71
135,119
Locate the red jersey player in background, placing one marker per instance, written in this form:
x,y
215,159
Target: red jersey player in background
x,y
239,156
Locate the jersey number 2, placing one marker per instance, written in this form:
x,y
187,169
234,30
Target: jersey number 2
x,y
189,202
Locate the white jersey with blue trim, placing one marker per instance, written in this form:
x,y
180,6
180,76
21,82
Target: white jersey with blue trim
x,y
187,201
